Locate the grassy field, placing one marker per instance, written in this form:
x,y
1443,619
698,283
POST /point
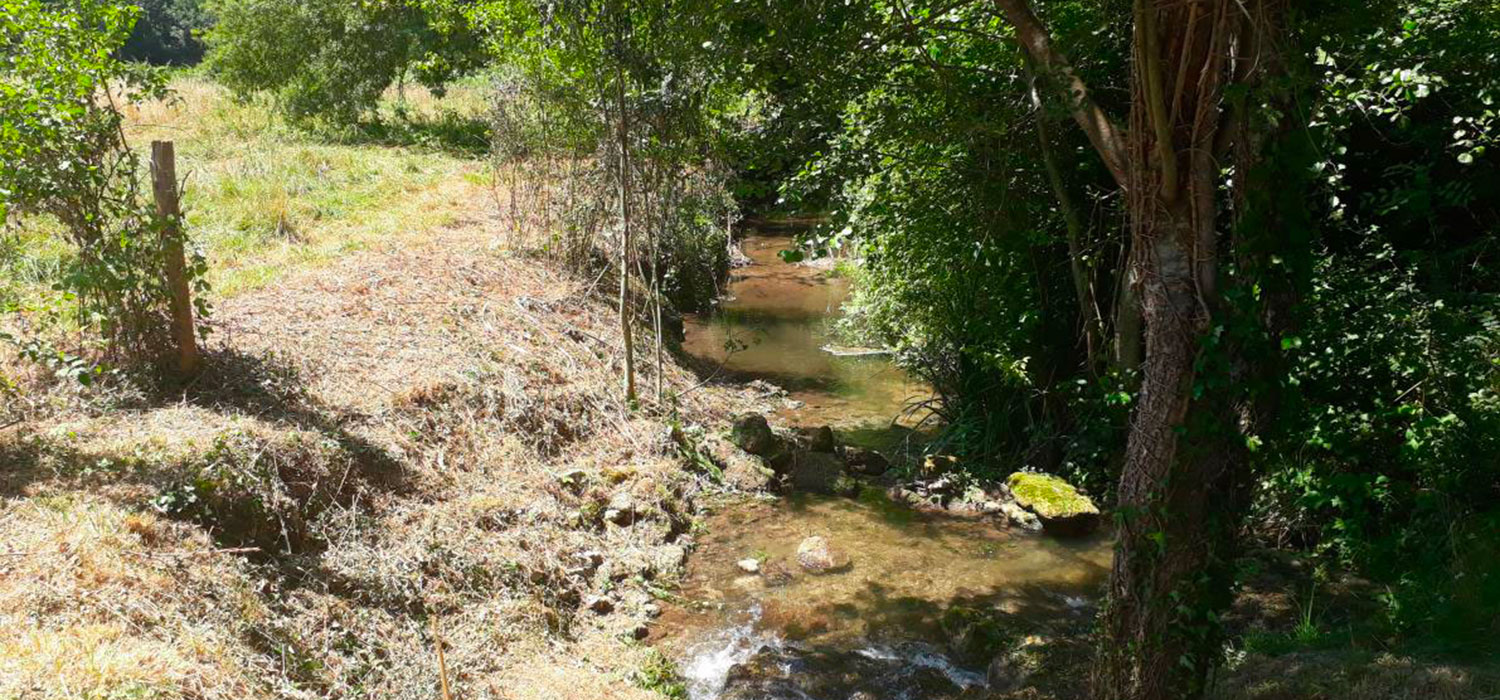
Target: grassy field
x,y
262,197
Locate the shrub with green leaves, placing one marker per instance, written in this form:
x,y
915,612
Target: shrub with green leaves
x,y
65,166
331,60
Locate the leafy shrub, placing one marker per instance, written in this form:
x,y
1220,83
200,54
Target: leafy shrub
x,y
65,165
330,61
169,32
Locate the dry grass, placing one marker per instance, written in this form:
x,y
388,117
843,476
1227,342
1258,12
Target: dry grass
x,y
1354,676
101,600
385,429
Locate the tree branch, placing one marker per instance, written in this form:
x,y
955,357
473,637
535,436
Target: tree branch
x,y
1096,124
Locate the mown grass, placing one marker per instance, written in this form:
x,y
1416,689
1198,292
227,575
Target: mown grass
x,y
262,196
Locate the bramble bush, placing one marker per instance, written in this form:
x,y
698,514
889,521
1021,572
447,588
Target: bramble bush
x,y
66,166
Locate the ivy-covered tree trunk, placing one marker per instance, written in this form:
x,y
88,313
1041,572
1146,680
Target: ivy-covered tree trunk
x,y
1182,491
1179,491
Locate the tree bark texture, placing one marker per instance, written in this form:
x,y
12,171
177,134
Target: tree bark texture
x,y
625,330
1181,488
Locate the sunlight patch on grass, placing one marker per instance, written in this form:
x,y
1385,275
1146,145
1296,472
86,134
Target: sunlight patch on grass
x,y
262,197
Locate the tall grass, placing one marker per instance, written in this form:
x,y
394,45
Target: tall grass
x,y
262,198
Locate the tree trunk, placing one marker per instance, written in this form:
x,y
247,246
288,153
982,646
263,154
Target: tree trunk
x,y
625,312
1182,487
1178,493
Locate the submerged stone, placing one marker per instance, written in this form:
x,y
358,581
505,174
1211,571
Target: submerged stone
x,y
817,472
818,556
1062,509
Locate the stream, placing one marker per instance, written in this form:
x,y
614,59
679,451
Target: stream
x,y
882,628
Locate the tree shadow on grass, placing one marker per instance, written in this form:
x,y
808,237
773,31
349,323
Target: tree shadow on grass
x,y
248,488
447,131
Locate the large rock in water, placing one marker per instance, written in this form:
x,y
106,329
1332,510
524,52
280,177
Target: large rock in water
x,y
752,434
1062,509
818,556
819,472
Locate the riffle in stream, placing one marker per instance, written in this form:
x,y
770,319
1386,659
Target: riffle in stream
x,y
884,627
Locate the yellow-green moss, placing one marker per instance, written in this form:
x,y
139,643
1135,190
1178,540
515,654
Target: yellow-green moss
x,y
1049,496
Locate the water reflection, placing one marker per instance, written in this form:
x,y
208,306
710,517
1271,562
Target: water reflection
x,y
774,324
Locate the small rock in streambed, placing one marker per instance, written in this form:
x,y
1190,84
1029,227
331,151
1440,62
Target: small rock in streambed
x,y
819,557
848,487
1020,517
651,610
749,566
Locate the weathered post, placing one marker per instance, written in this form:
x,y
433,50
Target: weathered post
x,y
164,188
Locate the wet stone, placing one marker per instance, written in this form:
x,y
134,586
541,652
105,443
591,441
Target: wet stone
x,y
752,434
816,555
821,439
817,472
1020,517
866,462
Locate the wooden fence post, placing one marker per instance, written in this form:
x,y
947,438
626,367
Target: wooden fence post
x,y
164,188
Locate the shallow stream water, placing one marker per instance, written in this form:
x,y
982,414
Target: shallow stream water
x,y
873,631
774,324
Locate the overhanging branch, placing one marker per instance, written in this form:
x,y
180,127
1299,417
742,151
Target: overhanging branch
x,y
1096,124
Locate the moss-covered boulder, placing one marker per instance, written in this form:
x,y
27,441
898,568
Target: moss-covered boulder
x,y
1063,509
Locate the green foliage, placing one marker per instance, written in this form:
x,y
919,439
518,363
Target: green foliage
x,y
329,61
932,169
169,32
659,675
1390,467
65,166
579,82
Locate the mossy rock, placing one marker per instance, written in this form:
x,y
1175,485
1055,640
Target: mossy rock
x,y
1062,509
